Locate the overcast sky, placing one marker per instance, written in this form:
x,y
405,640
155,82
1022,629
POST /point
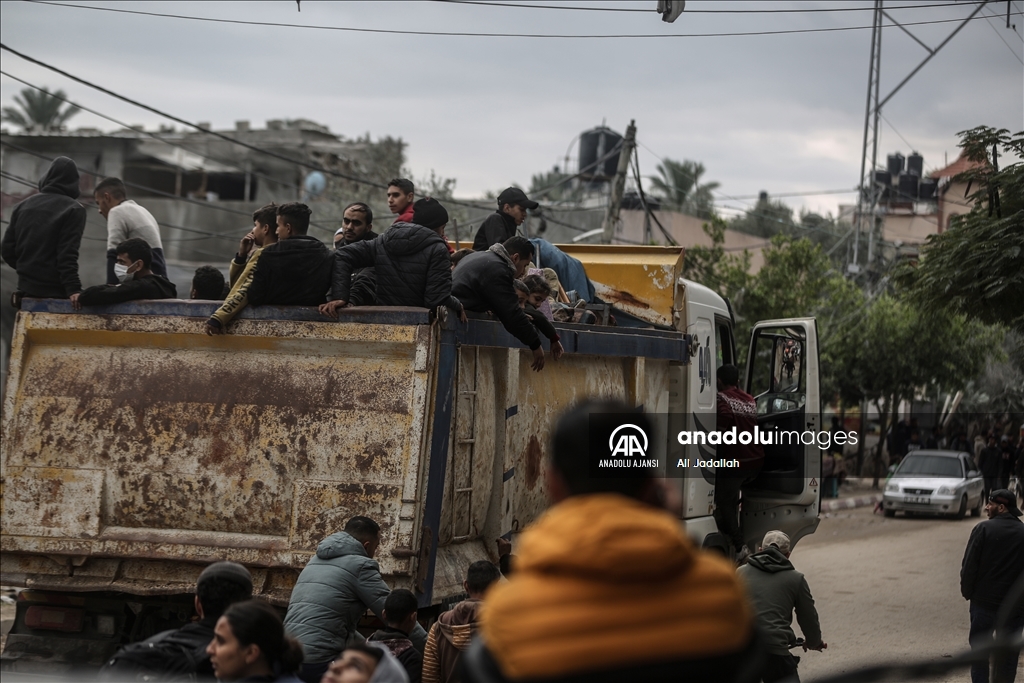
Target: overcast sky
x,y
783,113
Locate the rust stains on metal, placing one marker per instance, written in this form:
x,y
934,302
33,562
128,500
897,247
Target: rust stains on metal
x,y
623,298
534,455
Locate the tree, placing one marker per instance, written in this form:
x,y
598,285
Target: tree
x,y
552,186
974,268
678,186
39,111
767,218
727,274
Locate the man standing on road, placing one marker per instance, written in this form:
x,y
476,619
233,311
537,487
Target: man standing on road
x,y
990,462
501,225
337,586
127,220
777,589
993,563
736,408
44,236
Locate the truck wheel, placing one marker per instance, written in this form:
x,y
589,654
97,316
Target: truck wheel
x,y
962,512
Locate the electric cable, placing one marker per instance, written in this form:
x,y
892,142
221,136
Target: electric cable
x,y
468,34
812,10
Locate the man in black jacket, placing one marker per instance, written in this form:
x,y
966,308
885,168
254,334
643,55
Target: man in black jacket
x,y
357,226
297,270
990,462
137,280
502,224
992,564
45,233
411,263
181,654
483,282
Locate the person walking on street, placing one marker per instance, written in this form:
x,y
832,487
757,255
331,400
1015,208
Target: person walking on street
x,y
777,589
990,462
993,562
44,236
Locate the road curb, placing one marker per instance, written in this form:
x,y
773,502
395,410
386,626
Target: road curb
x,y
833,505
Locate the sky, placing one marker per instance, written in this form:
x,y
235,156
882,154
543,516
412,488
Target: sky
x,y
781,113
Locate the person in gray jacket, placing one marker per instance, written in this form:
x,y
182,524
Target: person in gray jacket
x,y
333,591
776,589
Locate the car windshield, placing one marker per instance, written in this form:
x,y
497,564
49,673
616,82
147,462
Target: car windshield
x,y
929,466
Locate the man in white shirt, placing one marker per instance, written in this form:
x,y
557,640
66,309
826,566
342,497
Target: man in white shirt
x,y
127,220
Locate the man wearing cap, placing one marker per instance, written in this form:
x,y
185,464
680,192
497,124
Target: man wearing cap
x,y
181,653
500,225
993,563
777,589
411,262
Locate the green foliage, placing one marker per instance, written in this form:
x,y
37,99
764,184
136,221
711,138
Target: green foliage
x,y
678,186
974,268
767,218
552,186
39,111
713,267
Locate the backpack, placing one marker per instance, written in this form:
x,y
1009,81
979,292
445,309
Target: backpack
x,y
177,655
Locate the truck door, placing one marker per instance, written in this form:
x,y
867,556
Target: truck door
x,y
782,375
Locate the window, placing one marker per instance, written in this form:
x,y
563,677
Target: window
x,y
725,350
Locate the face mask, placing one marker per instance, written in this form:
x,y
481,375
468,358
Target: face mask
x,y
121,271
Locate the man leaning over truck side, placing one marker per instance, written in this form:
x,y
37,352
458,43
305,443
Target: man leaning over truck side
x,y
336,587
181,654
243,267
483,282
132,268
297,270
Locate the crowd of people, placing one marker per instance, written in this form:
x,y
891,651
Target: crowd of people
x,y
411,263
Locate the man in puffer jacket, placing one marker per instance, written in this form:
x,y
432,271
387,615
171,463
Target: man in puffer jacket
x,y
778,589
454,629
410,261
340,583
607,586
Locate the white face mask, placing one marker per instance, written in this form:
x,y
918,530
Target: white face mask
x,y
121,271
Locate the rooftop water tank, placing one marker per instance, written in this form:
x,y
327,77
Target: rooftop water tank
x,y
594,145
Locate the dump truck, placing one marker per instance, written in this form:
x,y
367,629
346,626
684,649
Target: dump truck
x,y
136,449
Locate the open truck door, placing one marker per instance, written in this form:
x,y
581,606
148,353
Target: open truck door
x,y
782,376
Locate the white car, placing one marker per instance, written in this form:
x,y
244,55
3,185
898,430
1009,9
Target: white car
x,y
935,482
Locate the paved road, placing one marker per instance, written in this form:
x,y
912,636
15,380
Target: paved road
x,y
886,590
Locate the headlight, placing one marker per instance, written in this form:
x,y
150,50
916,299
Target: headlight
x,y
945,491
892,488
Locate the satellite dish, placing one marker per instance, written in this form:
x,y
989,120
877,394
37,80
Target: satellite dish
x,y
314,184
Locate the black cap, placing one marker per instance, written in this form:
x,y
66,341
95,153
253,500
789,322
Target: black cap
x,y
1005,497
429,213
515,196
232,571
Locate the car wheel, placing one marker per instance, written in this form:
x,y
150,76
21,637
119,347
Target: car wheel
x,y
889,513
962,512
976,510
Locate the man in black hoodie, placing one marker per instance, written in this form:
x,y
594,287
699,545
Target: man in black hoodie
x,y
297,270
137,280
501,225
483,282
993,562
410,260
777,589
45,233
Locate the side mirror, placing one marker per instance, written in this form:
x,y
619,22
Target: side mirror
x,y
973,473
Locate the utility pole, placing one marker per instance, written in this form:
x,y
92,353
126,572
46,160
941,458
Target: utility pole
x,y
611,216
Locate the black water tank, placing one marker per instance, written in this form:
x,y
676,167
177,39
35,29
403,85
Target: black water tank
x,y
928,189
915,164
883,183
894,164
908,188
595,144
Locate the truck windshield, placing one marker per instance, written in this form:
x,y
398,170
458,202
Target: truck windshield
x,y
929,466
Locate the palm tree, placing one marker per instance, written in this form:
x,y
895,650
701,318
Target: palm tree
x,y
39,111
678,186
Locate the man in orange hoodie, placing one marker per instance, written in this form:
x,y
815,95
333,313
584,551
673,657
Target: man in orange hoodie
x,y
454,629
607,586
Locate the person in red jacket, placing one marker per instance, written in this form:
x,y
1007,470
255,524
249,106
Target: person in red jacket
x,y
401,197
736,408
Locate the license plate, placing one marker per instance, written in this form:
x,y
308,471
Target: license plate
x,y
918,500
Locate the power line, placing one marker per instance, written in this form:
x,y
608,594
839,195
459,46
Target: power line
x,y
160,139
912,147
468,34
1008,46
813,10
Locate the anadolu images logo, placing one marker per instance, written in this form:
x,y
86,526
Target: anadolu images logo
x,y
626,440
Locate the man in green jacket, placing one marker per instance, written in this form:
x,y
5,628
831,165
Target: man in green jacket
x,y
776,589
337,586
